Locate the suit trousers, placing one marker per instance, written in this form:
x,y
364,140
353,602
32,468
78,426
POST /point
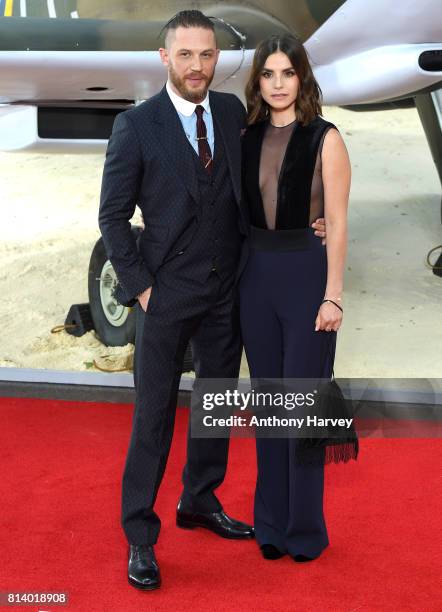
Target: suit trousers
x,y
280,293
178,311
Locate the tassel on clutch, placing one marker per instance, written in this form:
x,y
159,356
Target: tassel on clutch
x,y
340,442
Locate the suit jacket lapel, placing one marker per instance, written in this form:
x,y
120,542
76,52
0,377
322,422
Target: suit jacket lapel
x,y
175,145
231,139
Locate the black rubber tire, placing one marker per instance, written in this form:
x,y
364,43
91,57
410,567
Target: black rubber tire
x,y
109,334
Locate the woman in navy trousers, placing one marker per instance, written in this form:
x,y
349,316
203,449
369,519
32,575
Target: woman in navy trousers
x,y
295,170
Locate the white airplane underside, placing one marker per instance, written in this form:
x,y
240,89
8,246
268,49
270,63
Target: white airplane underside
x,y
101,80
65,100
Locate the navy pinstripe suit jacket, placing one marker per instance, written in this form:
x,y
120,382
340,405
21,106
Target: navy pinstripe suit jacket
x,y
149,164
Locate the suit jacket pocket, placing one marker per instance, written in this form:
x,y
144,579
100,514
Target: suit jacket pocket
x,y
153,299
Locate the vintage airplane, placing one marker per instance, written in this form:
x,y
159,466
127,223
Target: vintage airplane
x,y
67,67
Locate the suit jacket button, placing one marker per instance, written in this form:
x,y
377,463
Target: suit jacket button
x,y
180,252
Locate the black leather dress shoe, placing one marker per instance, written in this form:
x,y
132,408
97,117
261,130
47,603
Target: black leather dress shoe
x,y
218,522
271,552
143,571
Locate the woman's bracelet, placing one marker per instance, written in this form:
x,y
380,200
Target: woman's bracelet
x,y
340,307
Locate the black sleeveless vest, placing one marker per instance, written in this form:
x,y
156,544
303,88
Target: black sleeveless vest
x,y
295,179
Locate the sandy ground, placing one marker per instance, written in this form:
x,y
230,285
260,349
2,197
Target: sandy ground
x,y
392,325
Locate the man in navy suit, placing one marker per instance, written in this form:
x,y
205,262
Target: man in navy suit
x,y
176,155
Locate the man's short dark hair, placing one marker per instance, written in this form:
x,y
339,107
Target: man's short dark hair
x,y
188,19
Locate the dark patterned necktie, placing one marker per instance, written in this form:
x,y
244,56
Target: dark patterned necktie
x,y
204,151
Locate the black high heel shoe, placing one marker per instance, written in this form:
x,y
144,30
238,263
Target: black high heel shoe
x,y
302,558
271,552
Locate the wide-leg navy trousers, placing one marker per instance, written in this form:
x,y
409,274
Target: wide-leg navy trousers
x,y
280,293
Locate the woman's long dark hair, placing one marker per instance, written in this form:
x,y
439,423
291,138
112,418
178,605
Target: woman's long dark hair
x,y
309,98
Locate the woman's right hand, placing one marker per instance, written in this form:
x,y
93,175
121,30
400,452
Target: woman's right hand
x,y
329,317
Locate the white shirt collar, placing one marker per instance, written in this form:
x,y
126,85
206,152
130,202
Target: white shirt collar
x,y
184,106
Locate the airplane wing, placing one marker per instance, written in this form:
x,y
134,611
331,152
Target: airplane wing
x,y
374,51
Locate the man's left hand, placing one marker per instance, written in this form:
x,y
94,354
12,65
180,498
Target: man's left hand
x,y
319,226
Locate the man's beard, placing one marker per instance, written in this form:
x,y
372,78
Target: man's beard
x,y
189,94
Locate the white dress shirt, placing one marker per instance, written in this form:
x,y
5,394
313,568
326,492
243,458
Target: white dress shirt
x,y
187,115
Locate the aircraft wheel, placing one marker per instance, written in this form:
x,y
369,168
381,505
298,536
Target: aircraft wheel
x,y
113,323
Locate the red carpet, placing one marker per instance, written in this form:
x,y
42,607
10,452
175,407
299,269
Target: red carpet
x,y
60,504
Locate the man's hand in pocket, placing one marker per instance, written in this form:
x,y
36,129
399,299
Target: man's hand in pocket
x,y
144,297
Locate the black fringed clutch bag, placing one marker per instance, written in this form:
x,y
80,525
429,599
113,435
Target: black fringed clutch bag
x,y
340,442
